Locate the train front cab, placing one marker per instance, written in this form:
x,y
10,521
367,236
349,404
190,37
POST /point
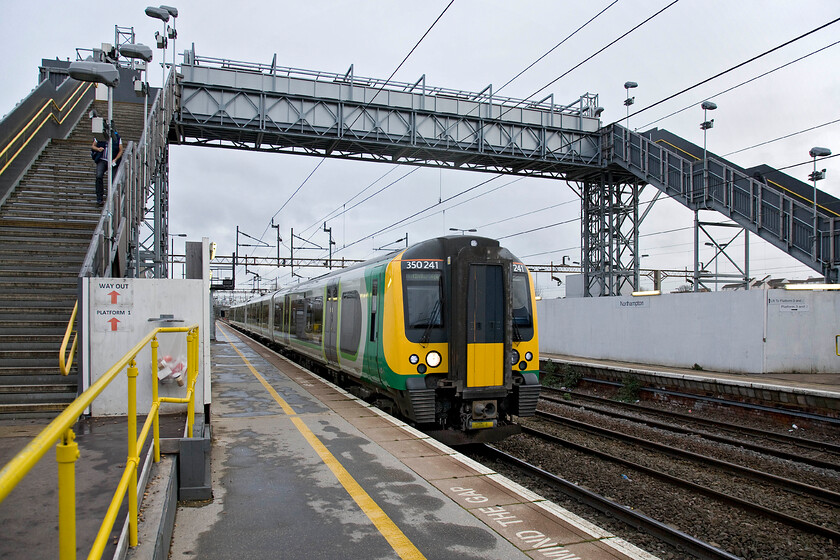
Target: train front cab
x,y
467,325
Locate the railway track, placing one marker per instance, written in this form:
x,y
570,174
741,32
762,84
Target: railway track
x,y
752,492
669,393
822,454
820,494
663,531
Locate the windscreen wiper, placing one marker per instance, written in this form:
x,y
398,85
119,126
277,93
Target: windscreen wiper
x,y
432,319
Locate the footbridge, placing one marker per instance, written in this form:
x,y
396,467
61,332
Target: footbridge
x,y
271,108
250,106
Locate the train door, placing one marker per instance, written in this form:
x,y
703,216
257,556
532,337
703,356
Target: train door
x,y
372,369
485,325
331,322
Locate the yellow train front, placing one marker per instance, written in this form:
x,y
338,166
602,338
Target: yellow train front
x,y
444,332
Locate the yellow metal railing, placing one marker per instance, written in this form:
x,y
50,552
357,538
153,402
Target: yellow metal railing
x,y
37,122
67,450
65,361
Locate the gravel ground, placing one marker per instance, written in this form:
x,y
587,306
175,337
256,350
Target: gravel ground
x,y
744,534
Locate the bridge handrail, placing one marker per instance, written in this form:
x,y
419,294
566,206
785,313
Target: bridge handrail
x,y
67,450
777,214
19,136
586,102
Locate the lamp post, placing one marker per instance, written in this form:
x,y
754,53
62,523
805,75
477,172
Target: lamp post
x,y
705,125
815,176
463,231
629,101
144,53
162,15
172,32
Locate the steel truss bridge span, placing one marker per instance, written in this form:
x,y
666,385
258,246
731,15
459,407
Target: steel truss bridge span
x,y
255,106
262,107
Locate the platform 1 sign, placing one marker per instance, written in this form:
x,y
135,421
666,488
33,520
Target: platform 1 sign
x,y
112,306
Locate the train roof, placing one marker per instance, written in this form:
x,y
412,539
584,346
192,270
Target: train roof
x,y
445,245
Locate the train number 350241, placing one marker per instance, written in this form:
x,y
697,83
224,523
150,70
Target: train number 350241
x,y
435,265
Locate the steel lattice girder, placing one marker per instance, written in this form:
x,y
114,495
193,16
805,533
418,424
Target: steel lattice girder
x,y
343,126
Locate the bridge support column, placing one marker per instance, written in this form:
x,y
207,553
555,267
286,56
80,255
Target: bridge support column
x,y
610,228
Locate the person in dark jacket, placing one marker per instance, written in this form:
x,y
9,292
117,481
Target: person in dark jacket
x,y
99,153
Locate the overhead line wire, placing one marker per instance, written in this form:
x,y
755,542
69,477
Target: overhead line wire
x,y
552,49
417,44
719,74
707,79
599,51
692,105
374,234
369,102
781,137
329,215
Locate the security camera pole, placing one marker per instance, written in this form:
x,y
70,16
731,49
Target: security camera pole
x,y
162,15
816,152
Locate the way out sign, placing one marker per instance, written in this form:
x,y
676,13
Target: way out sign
x,y
112,306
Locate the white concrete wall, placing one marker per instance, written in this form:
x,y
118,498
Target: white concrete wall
x,y
116,313
757,331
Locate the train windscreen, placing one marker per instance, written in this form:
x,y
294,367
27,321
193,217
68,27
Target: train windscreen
x,y
423,305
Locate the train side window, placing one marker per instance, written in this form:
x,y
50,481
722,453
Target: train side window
x,y
351,322
315,318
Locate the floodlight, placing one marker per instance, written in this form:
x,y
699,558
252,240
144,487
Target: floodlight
x,y
157,13
130,50
816,151
98,72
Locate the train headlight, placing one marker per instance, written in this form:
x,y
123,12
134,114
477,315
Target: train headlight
x,y
433,359
514,356
528,356
413,359
523,365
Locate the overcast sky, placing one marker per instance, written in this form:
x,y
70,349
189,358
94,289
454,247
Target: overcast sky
x,y
474,44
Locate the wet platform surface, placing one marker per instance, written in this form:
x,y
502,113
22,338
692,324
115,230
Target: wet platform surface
x,y
29,514
302,469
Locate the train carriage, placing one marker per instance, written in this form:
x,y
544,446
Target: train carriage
x,y
445,330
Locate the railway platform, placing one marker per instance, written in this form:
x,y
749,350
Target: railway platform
x,y
811,391
303,469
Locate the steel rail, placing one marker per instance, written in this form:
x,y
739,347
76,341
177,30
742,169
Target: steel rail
x,y
779,438
782,411
674,537
786,484
794,522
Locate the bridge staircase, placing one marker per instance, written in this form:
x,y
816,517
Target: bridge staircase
x,y
774,206
46,226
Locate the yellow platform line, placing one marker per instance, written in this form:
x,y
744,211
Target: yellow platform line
x,y
395,537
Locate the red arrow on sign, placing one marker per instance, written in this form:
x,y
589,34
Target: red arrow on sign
x,y
113,322
113,295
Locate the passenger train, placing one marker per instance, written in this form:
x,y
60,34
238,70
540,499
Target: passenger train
x,y
445,332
